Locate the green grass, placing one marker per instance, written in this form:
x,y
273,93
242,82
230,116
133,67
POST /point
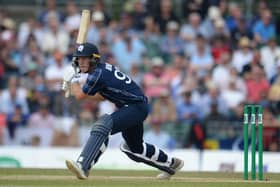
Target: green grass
x,y
117,178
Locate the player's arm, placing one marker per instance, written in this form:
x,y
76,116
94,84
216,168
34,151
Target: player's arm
x,y
80,95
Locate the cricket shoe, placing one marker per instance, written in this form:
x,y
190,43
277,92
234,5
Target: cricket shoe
x,y
76,169
176,166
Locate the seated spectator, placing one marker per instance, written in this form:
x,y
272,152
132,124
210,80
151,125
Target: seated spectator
x,y
15,120
274,91
191,29
239,32
221,73
27,29
201,61
139,15
165,15
171,43
157,80
100,6
12,96
97,31
163,108
219,48
257,85
235,13
54,76
264,28
51,8
187,111
158,137
179,63
10,57
31,54
232,95
42,118
128,50
72,20
269,56
243,55
54,36
214,97
150,38
208,27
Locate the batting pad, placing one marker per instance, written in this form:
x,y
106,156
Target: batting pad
x,y
151,156
96,143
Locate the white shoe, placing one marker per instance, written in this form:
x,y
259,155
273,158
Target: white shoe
x,y
176,166
76,169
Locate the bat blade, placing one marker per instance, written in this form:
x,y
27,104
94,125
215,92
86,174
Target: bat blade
x,y
82,35
84,25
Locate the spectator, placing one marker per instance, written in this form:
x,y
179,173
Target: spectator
x,y
158,137
220,29
214,98
12,96
219,48
163,109
201,61
157,80
166,14
100,6
241,30
235,14
54,36
72,20
139,15
274,91
243,55
264,28
269,56
172,43
150,38
275,77
32,56
27,30
97,31
11,58
207,27
53,74
128,50
232,95
16,119
179,63
42,118
191,29
50,9
257,85
187,111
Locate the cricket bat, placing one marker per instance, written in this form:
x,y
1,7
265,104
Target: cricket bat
x,y
82,34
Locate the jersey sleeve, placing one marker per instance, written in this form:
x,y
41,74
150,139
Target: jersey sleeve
x,y
93,83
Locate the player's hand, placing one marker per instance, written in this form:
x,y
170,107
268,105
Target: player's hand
x,y
67,77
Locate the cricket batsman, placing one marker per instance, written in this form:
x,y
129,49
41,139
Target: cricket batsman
x,y
105,81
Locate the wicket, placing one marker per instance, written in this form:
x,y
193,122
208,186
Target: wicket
x,y
253,115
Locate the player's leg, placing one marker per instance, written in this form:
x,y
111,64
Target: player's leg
x,y
140,151
95,146
129,120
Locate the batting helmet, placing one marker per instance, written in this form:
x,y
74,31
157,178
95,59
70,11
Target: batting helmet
x,y
87,50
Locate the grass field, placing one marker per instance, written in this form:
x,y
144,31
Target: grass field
x,y
115,178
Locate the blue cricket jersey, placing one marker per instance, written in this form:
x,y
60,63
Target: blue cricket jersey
x,y
113,85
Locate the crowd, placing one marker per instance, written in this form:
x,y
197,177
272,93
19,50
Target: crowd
x,y
197,70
